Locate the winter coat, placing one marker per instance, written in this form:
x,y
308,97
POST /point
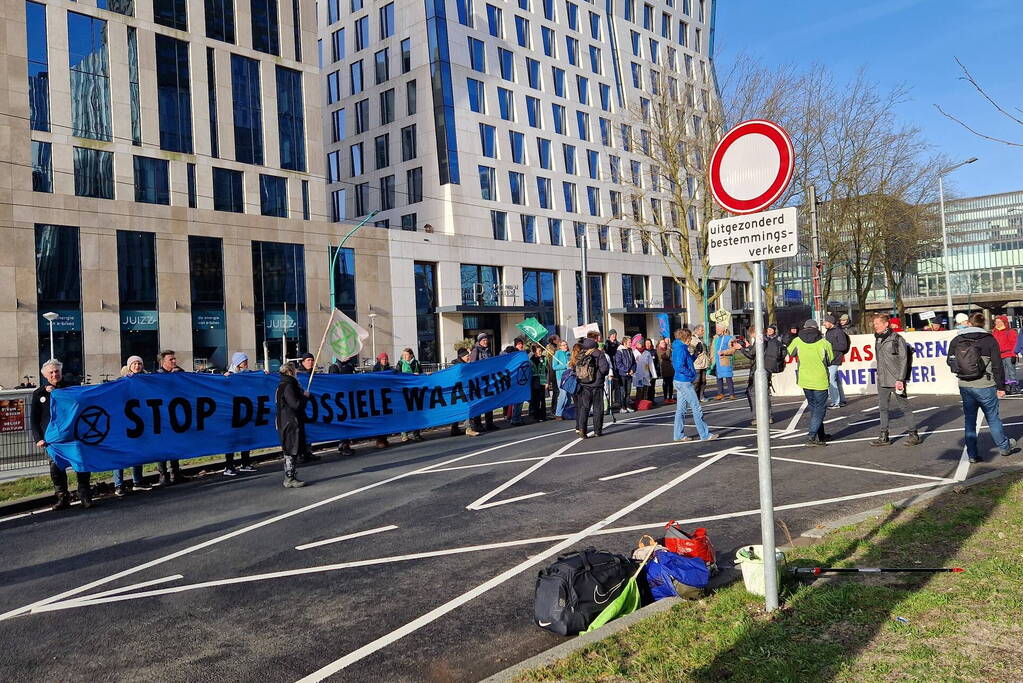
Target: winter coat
x,y
560,365
893,357
291,415
989,351
380,367
721,355
850,329
840,343
1007,339
645,372
664,364
682,362
603,368
814,353
625,362
39,418
411,367
342,367
479,353
612,347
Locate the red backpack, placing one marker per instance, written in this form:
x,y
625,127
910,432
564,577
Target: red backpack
x,y
696,545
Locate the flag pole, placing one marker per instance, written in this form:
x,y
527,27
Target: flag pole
x,y
323,339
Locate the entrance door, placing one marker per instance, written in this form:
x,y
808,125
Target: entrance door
x,y
489,323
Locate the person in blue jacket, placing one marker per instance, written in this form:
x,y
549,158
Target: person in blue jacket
x,y
685,394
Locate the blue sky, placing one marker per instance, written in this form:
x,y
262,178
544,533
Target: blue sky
x,y
912,42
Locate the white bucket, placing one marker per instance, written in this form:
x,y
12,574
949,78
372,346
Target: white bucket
x,y
753,569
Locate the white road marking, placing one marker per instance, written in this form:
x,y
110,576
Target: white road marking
x,y
964,460
795,418
626,474
258,525
851,467
113,591
516,499
440,611
863,422
867,410
8,519
336,539
924,410
480,502
836,419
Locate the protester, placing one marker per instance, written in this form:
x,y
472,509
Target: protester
x,y
683,375
538,386
702,361
239,363
721,355
306,362
813,353
645,372
625,370
612,343
343,367
962,321
774,355
305,365
291,402
481,351
461,356
847,325
666,370
894,361
590,368
409,365
974,357
383,363
167,362
933,326
771,331
560,365
655,370
1007,339
39,420
553,343
791,335
840,344
133,367
513,413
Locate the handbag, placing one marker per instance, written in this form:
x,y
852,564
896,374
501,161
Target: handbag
x,y
702,361
569,382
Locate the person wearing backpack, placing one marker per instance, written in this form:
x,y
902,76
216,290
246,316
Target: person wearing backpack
x,y
813,353
894,359
591,368
774,361
684,376
840,345
974,357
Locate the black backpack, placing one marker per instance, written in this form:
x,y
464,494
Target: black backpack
x,y
574,590
586,367
967,362
774,356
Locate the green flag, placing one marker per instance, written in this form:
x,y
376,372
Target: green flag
x,y
534,329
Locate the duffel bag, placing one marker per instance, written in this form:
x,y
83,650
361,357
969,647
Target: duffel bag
x,y
669,575
577,587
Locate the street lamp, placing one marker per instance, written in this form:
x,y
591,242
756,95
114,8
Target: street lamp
x,y
944,234
373,329
337,252
50,317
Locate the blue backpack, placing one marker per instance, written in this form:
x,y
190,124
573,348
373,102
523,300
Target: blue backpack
x,y
665,566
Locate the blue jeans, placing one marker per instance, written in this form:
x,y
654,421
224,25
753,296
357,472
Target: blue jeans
x,y
564,399
986,400
836,394
818,404
136,476
685,397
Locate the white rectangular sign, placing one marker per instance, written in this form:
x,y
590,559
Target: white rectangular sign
x,y
927,315
582,330
753,237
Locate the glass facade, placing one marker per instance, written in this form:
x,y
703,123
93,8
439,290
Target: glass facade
x,y
90,77
94,173
211,82
59,290
443,97
38,67
173,94
344,281
595,289
278,271
137,293
171,13
426,312
133,86
42,167
265,29
209,318
539,292
291,119
479,285
248,110
152,180
273,195
227,190
220,20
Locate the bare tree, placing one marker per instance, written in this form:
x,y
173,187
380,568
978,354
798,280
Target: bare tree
x,y
1014,118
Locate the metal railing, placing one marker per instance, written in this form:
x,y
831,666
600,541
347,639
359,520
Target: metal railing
x,y
17,447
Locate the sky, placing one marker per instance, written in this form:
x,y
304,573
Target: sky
x,y
905,42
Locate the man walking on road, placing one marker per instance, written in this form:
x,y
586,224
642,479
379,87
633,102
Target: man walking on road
x,y
591,368
839,341
813,353
39,420
894,360
974,357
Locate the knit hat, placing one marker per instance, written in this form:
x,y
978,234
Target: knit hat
x,y
830,319
844,316
382,356
610,332
481,336
637,339
132,359
307,355
960,318
812,324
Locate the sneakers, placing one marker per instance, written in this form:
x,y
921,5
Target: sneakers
x,y
405,438
230,472
293,483
417,437
1011,450
345,449
882,440
246,468
974,459
471,432
120,492
719,397
815,442
913,438
712,437
685,439
140,486
164,480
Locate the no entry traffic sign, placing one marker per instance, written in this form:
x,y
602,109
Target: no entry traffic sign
x,y
751,167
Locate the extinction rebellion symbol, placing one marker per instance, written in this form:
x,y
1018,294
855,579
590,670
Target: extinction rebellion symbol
x,y
92,426
524,374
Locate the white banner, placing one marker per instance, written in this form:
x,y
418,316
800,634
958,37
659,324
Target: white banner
x,y
930,373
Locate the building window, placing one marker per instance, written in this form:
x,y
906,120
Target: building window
x,y
90,77
554,231
406,55
464,9
593,199
355,74
387,193
408,222
480,283
543,149
387,106
672,292
517,186
137,293
133,87
265,30
361,116
568,153
42,167
633,290
522,31
572,49
494,22
190,185
333,87
408,143
152,182
220,20
171,13
548,10
533,115
538,292
595,289
559,118
337,125
211,89
356,162
425,275
626,237
38,67
572,10
248,114
173,94
477,55
582,120
279,296
477,100
227,190
382,147
528,228
533,73
499,224
337,45
414,183
94,173
570,197
362,199
580,234
273,195
506,60
337,206
543,192
206,279
593,163
547,37
410,98
58,289
488,140
382,66
559,81
518,146
291,119
488,183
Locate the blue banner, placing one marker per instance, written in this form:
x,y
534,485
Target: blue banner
x,y
145,418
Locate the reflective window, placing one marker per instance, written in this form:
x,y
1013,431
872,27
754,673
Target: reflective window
x,y
152,180
594,25
381,66
548,10
305,200
425,275
337,45
410,98
58,289
333,166
190,186
547,36
408,222
125,7
518,146
136,280
595,63
507,62
406,55
572,49
570,197
337,205
522,31
506,104
488,140
265,30
593,200
387,193
477,99
133,87
382,145
90,77
171,13
206,271
273,195
387,21
443,95
533,112
554,231
568,153
362,116
464,9
582,120
414,183
499,225
494,22
38,67
94,173
356,158
227,190
42,167
477,55
543,149
543,192
559,81
173,94
533,73
517,187
220,20
408,143
291,119
583,88
538,290
355,72
559,118
593,162
488,183
572,10
528,224
333,87
248,110
333,11
279,298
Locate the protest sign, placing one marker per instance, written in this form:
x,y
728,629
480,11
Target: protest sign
x,y
583,330
145,418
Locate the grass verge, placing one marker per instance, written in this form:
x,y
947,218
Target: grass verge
x,y
953,627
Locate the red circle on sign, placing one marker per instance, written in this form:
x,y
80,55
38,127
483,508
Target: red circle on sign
x,y
782,174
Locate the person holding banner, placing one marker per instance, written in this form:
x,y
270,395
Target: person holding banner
x,y
133,367
409,365
239,363
722,351
53,372
813,353
480,351
894,362
305,365
291,402
166,363
538,387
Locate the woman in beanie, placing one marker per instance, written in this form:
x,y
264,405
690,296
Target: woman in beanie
x,y
132,367
239,363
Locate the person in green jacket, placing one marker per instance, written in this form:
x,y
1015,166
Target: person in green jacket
x,y
813,353
538,390
409,365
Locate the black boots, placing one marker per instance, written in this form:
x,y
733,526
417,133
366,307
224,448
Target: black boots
x,y
882,440
63,501
913,438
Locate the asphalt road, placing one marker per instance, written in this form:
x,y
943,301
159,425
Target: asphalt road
x,y
212,580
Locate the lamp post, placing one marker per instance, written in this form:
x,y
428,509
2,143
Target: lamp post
x,y
373,330
944,234
333,259
50,317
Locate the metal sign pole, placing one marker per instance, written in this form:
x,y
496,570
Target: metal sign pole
x,y
763,411
815,244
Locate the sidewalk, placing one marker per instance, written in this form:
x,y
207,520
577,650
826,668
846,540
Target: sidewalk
x,y
21,472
